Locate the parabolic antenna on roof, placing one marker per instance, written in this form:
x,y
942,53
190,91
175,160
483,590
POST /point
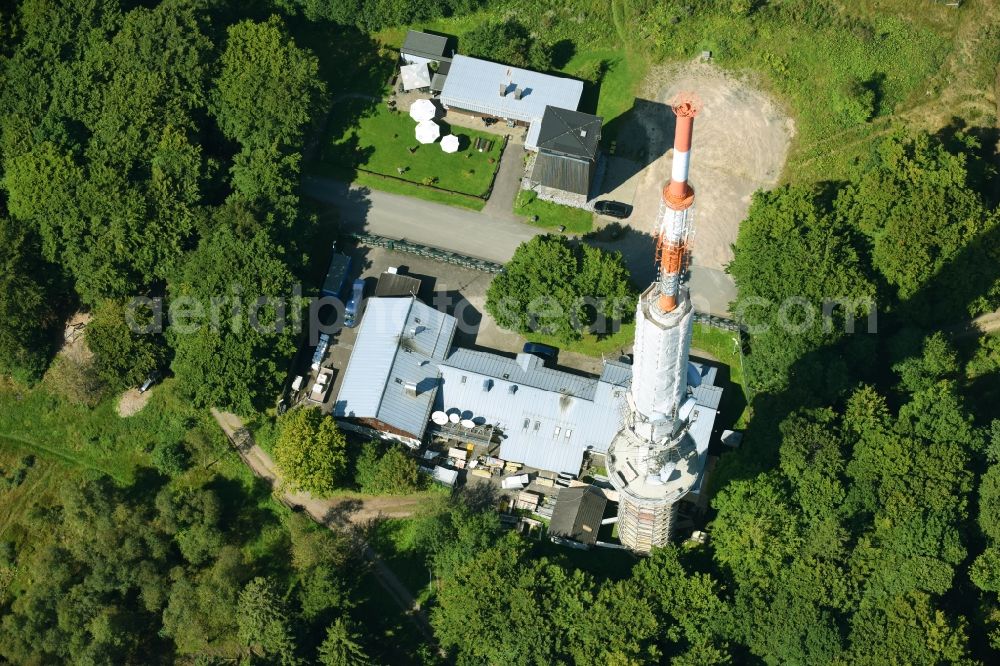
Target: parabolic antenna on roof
x,y
439,418
449,144
428,132
423,109
468,423
454,417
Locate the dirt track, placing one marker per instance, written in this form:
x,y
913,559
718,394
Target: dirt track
x,y
741,139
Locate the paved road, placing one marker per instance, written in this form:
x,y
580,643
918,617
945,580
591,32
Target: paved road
x,y
460,229
479,234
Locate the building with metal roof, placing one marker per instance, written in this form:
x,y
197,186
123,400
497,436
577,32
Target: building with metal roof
x,y
424,48
578,514
567,143
403,368
393,284
392,376
520,95
547,418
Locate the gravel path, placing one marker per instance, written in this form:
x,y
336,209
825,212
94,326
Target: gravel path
x,y
336,514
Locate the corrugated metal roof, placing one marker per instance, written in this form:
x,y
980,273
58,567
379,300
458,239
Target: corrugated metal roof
x,y
707,396
398,343
543,427
474,85
562,173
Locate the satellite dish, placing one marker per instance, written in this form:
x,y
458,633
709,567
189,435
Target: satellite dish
x,y
468,423
454,417
439,418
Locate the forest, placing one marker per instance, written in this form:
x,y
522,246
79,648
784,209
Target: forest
x,y
154,150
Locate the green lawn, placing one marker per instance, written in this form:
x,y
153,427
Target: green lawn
x,y
552,215
591,345
370,136
722,345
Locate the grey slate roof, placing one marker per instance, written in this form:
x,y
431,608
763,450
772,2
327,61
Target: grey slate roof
x,y
425,45
567,132
474,85
399,341
578,513
563,173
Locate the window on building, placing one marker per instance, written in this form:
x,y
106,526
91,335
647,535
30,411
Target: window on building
x,y
569,432
527,422
538,424
464,379
557,431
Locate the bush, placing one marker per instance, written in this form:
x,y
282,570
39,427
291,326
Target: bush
x,y
170,457
391,473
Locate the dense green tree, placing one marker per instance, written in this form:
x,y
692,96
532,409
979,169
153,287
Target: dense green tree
x,y
268,88
232,311
914,203
28,306
341,647
310,450
391,472
507,41
125,345
800,279
264,623
555,287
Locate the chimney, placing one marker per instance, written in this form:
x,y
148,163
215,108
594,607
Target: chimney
x,y
410,389
517,93
503,89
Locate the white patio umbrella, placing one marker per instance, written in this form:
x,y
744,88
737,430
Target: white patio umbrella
x,y
428,132
449,144
423,109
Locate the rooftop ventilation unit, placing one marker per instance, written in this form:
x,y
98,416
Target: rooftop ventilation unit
x,y
503,89
411,389
487,384
517,93
512,388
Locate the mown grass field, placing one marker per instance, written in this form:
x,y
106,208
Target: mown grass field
x,y
369,136
549,215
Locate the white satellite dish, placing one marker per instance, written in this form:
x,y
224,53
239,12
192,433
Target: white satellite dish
x,y
454,417
439,418
468,423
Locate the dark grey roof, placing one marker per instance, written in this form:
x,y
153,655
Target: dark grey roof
x,y
394,284
563,173
578,514
567,132
437,82
425,45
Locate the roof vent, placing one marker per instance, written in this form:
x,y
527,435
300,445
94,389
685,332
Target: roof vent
x,y
513,388
517,93
487,384
411,389
503,89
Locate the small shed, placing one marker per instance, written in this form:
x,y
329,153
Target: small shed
x,y
578,514
392,284
423,48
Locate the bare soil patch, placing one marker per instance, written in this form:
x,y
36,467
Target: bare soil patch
x,y
741,140
132,402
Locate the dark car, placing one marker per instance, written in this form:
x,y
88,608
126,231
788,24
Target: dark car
x,y
613,209
544,352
